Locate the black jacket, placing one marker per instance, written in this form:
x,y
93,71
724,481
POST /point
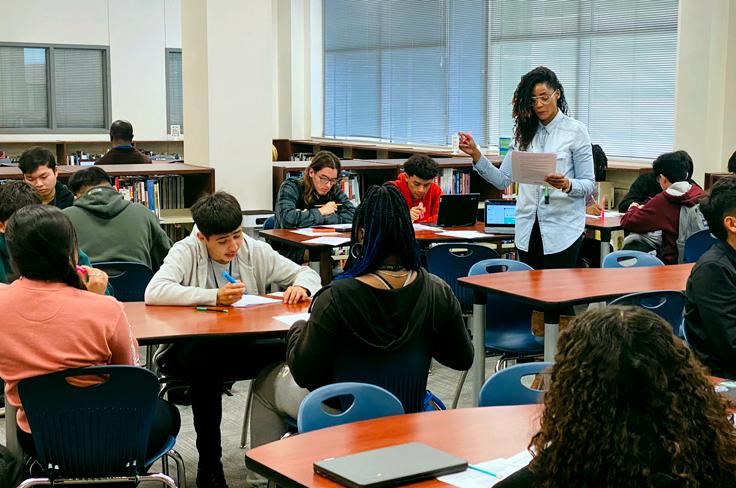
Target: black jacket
x,y
63,198
710,312
124,155
646,186
384,337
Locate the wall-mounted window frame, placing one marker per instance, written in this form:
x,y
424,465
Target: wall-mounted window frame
x,y
170,105
52,114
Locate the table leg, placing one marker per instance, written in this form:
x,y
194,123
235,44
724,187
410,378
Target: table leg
x,y
551,332
478,329
605,245
325,265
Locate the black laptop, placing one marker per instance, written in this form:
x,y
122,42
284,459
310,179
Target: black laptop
x,y
390,466
457,210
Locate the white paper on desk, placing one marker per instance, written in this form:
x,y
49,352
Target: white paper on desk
x,y
608,213
308,231
502,467
290,319
337,226
532,167
276,294
329,241
249,300
463,234
423,227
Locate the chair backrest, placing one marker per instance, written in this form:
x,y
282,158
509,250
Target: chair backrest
x,y
697,244
369,402
128,280
269,223
669,304
630,259
488,266
506,388
453,261
93,430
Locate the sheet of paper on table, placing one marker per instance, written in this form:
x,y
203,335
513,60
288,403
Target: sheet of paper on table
x,y
329,241
463,234
477,478
249,300
290,319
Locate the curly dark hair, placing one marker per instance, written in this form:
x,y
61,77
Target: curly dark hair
x,y
629,405
421,166
525,119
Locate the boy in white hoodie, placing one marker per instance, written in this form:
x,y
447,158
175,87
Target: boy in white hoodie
x,y
193,274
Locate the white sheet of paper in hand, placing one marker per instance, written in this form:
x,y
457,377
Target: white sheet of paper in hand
x,y
290,319
330,241
531,167
249,300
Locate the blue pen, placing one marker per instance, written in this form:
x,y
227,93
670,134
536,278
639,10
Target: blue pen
x,y
229,278
482,471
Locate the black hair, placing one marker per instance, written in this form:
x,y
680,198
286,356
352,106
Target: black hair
x,y
719,202
732,163
36,156
15,195
600,162
122,130
43,245
92,176
384,219
526,121
218,213
421,166
675,166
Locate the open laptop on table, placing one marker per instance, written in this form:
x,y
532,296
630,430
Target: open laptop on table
x,y
500,217
457,210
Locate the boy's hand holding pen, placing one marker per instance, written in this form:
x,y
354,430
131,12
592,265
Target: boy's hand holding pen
x,y
231,292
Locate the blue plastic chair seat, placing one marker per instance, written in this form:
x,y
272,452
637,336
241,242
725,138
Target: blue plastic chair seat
x,y
128,280
513,341
697,244
506,388
630,259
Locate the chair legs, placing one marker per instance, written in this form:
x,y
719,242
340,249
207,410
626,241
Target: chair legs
x,y
459,389
157,477
181,476
246,415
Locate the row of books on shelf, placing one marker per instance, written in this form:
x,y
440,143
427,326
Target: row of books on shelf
x,y
156,192
80,158
176,232
453,181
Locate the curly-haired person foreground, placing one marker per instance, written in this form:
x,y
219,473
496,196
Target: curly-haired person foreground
x,y
629,406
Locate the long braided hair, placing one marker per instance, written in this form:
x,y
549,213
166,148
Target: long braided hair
x,y
526,121
384,219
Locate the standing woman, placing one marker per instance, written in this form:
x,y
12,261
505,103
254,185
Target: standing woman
x,y
549,221
315,199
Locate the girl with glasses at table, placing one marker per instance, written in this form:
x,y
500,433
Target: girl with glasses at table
x,y
315,199
549,219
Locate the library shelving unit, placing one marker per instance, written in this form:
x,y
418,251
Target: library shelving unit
x,y
288,148
62,149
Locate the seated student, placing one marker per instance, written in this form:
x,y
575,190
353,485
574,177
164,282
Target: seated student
x,y
710,312
193,274
122,150
38,166
628,405
421,193
15,195
732,163
49,322
384,308
662,212
315,199
110,228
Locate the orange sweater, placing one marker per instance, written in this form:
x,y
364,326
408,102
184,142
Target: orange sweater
x,y
48,327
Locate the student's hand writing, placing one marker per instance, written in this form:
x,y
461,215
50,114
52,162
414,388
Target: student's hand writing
x,y
328,208
230,293
468,146
295,294
557,181
416,212
593,209
95,280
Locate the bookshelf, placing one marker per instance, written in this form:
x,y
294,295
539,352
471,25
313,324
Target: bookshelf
x,y
288,148
711,178
63,149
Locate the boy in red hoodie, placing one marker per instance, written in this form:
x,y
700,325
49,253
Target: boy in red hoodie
x,y
421,193
663,211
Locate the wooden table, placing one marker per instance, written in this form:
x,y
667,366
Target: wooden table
x,y
476,434
323,252
605,227
555,289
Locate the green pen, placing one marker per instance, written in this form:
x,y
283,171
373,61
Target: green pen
x,y
474,468
211,309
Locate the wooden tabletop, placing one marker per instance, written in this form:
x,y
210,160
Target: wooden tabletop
x,y
155,324
608,223
579,285
475,434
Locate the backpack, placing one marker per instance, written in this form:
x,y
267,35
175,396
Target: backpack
x,y
692,220
600,162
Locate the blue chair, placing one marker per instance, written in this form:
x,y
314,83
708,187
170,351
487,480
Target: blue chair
x,y
369,402
670,305
453,261
697,244
269,223
128,280
85,433
630,259
506,388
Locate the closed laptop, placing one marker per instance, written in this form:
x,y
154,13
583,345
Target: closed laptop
x,y
390,466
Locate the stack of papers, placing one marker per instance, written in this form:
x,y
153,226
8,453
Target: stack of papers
x,y
290,319
328,241
483,475
249,300
463,234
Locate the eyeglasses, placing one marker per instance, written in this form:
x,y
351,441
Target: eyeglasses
x,y
326,181
545,99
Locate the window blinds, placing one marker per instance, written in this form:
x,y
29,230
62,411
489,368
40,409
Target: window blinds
x,y
79,88
23,88
174,93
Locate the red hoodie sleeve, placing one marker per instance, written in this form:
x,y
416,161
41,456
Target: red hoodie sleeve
x,y
431,202
646,218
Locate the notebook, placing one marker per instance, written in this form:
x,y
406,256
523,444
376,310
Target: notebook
x,y
390,466
457,210
500,216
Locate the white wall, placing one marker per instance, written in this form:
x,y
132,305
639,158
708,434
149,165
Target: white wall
x,y
137,33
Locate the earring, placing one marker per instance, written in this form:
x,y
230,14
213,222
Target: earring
x,y
356,250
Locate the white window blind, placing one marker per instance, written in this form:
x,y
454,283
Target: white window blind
x,y
23,88
616,60
408,71
174,92
79,88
